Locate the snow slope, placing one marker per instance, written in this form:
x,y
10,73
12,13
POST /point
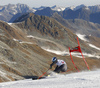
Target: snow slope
x,y
89,79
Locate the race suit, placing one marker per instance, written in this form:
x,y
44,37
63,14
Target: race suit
x,y
61,66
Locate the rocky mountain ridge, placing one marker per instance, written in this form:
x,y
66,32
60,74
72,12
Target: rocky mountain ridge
x,y
81,13
10,12
44,26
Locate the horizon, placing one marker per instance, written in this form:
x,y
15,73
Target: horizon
x,y
48,6
39,3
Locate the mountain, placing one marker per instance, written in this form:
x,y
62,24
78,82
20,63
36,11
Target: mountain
x,y
90,30
57,8
79,7
75,7
95,8
83,13
49,28
43,26
21,52
94,17
10,12
79,25
7,12
79,14
39,8
88,13
84,27
19,55
45,12
24,44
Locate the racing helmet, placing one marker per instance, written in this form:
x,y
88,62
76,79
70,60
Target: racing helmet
x,y
54,59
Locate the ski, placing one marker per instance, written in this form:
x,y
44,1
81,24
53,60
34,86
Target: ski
x,y
45,77
36,78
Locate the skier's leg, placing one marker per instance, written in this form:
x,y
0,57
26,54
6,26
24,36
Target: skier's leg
x,y
64,68
58,69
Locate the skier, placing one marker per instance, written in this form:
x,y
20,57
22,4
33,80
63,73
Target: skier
x,y
61,65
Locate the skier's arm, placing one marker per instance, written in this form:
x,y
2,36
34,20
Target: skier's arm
x,y
52,64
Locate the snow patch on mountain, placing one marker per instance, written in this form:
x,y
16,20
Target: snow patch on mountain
x,y
82,37
58,52
77,7
57,8
73,53
10,23
93,46
4,75
20,41
55,51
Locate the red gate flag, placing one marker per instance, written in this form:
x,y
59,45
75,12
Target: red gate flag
x,y
72,60
77,49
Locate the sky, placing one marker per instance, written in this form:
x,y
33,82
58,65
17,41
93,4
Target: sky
x,y
63,3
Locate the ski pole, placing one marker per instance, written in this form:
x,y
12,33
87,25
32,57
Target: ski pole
x,y
43,74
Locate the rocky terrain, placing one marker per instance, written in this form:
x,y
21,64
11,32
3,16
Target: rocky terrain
x,y
79,26
24,43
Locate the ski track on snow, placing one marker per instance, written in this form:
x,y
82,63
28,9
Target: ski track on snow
x,y
89,79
